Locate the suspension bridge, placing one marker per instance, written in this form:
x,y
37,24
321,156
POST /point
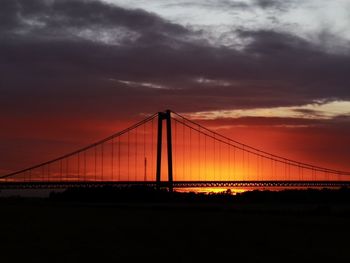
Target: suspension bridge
x,y
169,150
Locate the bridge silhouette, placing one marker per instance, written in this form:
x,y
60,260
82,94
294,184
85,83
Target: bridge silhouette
x,y
169,150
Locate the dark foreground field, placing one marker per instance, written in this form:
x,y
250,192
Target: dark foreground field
x,y
43,230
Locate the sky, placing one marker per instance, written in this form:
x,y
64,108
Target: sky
x,y
273,74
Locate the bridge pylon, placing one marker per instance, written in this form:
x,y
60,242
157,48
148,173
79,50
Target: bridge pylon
x,y
164,116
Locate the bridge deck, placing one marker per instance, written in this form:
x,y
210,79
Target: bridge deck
x,y
176,184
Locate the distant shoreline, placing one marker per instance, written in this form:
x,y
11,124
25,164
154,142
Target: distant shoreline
x,y
150,195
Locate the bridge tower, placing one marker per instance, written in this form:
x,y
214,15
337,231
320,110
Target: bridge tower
x,y
164,116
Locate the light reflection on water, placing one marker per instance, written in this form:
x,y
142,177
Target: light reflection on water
x,y
208,190
236,190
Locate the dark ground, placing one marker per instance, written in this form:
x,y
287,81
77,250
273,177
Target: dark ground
x,y
184,229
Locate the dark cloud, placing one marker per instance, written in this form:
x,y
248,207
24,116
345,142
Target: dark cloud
x,y
233,5
55,17
223,4
60,57
281,5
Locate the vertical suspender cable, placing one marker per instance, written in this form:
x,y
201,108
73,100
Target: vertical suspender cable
x,y
85,165
95,156
112,160
190,159
144,151
199,153
183,152
175,149
78,176
60,170
67,168
214,159
102,161
135,175
152,147
205,158
119,157
128,155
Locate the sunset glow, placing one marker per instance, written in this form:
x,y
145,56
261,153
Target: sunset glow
x,y
267,74
174,130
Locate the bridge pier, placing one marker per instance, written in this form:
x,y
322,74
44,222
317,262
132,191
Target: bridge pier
x,y
167,117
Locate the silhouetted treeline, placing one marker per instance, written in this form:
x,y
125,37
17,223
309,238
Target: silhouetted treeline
x,y
148,194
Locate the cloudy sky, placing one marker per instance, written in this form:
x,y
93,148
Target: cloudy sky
x,y
270,73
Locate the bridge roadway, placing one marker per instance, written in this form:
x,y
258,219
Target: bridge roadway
x,y
176,184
